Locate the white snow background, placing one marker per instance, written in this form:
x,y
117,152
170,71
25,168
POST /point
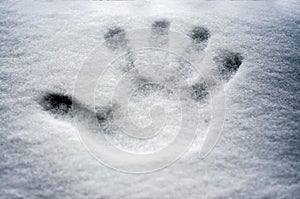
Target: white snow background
x,y
43,44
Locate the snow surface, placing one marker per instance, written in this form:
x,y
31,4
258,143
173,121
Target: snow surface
x,y
43,44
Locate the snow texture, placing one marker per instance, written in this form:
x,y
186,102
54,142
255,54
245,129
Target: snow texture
x,y
43,44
